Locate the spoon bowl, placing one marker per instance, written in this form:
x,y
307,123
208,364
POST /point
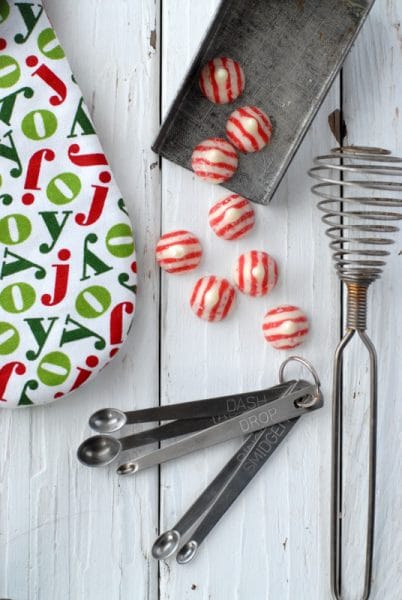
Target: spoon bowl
x,y
187,552
107,420
126,468
166,544
98,451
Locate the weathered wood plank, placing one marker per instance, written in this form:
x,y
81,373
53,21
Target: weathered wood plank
x,y
372,93
68,533
271,542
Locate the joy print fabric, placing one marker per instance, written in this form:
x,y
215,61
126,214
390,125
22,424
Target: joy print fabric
x,y
67,258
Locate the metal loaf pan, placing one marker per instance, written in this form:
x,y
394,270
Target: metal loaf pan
x,y
291,51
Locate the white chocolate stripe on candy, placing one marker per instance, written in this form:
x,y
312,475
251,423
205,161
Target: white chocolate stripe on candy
x,y
222,80
197,298
285,327
214,160
232,217
249,129
212,298
178,251
256,273
272,274
282,313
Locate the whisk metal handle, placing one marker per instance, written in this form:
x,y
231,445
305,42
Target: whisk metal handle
x,y
337,463
359,190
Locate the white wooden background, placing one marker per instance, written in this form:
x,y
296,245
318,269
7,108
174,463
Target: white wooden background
x,y
69,533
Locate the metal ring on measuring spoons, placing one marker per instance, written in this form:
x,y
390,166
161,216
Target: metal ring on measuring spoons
x,y
316,397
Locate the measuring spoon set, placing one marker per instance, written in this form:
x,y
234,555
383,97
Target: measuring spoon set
x,y
265,417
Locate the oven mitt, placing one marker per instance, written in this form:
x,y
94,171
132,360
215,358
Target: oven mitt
x,y
67,261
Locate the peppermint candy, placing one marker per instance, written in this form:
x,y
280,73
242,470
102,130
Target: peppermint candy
x,y
249,129
232,217
285,327
222,80
214,160
212,298
256,273
178,251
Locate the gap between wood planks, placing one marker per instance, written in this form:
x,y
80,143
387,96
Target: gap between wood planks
x,y
338,128
156,43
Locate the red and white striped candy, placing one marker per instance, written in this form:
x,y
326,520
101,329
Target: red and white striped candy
x,y
285,327
232,217
256,273
214,160
178,251
222,80
212,298
249,129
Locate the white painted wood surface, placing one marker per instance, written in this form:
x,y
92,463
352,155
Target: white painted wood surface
x,y
372,95
67,533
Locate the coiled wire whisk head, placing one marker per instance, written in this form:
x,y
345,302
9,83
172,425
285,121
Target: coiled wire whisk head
x,y
354,183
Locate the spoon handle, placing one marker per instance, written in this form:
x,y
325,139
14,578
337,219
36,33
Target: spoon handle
x,y
212,491
277,411
222,405
171,430
269,439
165,432
209,495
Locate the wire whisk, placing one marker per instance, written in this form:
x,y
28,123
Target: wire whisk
x,y
358,189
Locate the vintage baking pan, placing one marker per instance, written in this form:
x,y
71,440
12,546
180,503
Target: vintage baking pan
x,y
291,51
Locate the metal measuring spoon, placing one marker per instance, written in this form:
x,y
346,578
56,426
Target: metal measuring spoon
x,y
101,450
168,542
110,420
269,439
277,411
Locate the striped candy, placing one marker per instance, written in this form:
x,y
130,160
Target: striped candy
x,y
285,327
256,273
222,80
249,129
232,217
212,298
214,160
178,251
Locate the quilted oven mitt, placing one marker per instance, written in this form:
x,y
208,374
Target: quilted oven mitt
x,y
67,258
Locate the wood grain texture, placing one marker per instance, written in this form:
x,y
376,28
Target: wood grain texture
x,y
273,538
67,533
372,103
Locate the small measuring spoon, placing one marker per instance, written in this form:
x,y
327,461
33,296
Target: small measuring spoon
x,y
277,411
110,420
269,439
168,542
101,450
